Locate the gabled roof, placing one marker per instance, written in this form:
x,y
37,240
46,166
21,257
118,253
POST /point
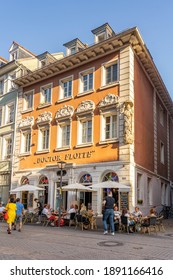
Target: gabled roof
x,y
46,54
20,46
3,59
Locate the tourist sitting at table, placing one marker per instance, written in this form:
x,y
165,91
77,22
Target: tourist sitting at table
x,y
46,211
67,213
137,214
117,215
131,222
84,213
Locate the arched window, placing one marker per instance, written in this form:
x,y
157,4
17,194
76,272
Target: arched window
x,y
86,179
24,181
43,181
86,197
111,176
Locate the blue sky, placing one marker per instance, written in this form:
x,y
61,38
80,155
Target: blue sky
x,y
41,25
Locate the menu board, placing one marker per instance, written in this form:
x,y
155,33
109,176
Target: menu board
x,y
124,200
30,199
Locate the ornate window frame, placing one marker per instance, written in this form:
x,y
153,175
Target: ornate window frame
x,y
43,122
63,118
108,106
84,112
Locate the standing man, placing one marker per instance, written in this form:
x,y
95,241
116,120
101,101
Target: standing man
x,y
108,203
19,214
40,208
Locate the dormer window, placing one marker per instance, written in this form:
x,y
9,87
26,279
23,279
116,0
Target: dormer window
x,y
43,63
74,46
102,33
101,37
14,56
72,50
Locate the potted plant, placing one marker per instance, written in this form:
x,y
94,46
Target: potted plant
x,y
140,201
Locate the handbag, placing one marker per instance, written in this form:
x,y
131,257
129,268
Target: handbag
x,y
6,216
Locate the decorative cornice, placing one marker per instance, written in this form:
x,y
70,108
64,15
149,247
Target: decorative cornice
x,y
86,106
109,100
43,118
26,122
65,112
113,44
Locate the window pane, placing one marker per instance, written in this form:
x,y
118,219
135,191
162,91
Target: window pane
x,y
114,126
10,117
111,73
47,95
67,86
88,82
108,75
114,76
45,139
108,120
28,100
27,142
65,135
86,131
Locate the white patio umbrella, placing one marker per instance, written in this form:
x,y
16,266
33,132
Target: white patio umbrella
x,y
77,187
27,187
111,185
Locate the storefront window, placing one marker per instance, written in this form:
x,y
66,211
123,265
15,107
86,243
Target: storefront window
x,y
86,197
111,176
24,181
43,195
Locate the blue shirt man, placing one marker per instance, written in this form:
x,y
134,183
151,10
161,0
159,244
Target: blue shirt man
x,y
19,214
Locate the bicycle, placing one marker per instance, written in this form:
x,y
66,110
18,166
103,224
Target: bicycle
x,y
165,212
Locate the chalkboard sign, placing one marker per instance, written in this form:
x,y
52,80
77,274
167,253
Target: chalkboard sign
x,y
124,200
30,199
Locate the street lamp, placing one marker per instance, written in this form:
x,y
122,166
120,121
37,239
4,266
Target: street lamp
x,y
61,165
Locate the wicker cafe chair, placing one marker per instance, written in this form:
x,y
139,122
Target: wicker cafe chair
x,y
149,225
124,227
27,218
80,221
72,220
159,223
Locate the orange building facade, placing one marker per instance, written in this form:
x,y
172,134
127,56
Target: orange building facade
x,y
104,111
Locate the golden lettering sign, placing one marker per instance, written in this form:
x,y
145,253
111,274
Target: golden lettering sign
x,y
67,157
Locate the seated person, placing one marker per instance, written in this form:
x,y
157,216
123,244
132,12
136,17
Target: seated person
x,y
46,211
84,213
137,213
131,221
145,220
66,214
76,208
117,215
83,210
152,212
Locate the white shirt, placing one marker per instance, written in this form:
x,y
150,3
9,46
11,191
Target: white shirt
x,y
2,209
45,211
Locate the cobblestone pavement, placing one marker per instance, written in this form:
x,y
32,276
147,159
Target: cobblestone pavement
x,y
37,242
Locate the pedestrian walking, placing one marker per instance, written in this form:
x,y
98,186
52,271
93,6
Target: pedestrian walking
x,y
19,214
11,211
108,203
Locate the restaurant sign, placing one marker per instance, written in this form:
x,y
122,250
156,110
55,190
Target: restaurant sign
x,y
69,156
